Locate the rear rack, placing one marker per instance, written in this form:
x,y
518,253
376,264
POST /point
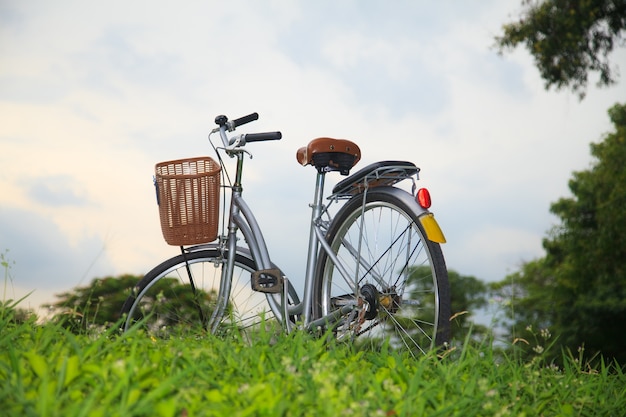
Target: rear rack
x,y
383,173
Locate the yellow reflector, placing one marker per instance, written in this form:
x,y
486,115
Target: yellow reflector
x,y
433,231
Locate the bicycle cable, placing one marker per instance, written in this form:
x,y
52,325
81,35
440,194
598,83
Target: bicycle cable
x,y
230,184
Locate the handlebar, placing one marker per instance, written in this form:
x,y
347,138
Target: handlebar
x,y
258,137
245,119
230,125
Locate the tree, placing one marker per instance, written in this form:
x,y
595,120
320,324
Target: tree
x,y
578,290
468,295
568,39
97,304
11,313
173,306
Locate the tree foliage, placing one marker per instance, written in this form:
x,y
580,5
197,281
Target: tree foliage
x,y
11,313
568,39
468,295
173,306
97,304
578,290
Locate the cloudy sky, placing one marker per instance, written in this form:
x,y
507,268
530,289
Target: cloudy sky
x,y
93,94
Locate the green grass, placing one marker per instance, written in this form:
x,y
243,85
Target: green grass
x,y
47,371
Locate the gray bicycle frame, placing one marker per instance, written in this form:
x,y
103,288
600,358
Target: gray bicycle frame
x,y
241,218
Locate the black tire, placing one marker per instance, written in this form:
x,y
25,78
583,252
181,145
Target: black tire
x,y
402,275
164,301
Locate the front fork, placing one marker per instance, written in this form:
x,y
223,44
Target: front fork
x,y
231,249
227,269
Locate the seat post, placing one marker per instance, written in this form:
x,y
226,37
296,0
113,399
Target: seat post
x,y
311,261
319,191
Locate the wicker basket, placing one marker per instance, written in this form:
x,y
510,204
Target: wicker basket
x,y
188,193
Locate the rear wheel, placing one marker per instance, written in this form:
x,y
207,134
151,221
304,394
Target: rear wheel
x,y
395,278
167,301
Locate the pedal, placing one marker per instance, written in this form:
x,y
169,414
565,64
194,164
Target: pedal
x,y
267,281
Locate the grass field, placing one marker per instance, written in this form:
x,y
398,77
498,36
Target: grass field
x,y
47,371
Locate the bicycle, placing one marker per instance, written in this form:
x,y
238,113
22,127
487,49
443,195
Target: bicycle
x,y
375,271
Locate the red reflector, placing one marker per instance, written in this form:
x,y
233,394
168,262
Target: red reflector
x,y
423,198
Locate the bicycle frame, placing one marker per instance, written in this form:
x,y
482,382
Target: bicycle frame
x,y
374,268
241,218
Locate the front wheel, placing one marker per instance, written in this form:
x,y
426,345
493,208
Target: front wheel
x,y
181,295
394,278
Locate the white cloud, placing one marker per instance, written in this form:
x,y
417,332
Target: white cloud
x,y
93,95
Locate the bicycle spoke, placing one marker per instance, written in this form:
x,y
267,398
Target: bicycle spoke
x,y
396,272
165,301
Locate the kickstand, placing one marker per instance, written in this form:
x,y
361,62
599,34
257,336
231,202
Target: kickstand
x,y
285,304
193,288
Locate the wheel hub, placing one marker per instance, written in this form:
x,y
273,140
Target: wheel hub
x,y
390,300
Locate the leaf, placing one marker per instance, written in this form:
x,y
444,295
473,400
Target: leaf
x,y
214,396
133,396
166,408
567,410
71,370
38,364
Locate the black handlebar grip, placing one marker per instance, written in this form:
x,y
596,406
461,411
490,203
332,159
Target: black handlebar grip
x,y
245,119
257,137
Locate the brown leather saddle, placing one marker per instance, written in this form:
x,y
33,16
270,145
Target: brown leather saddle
x,y
328,154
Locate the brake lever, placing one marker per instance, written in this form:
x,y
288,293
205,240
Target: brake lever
x,y
236,145
237,141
